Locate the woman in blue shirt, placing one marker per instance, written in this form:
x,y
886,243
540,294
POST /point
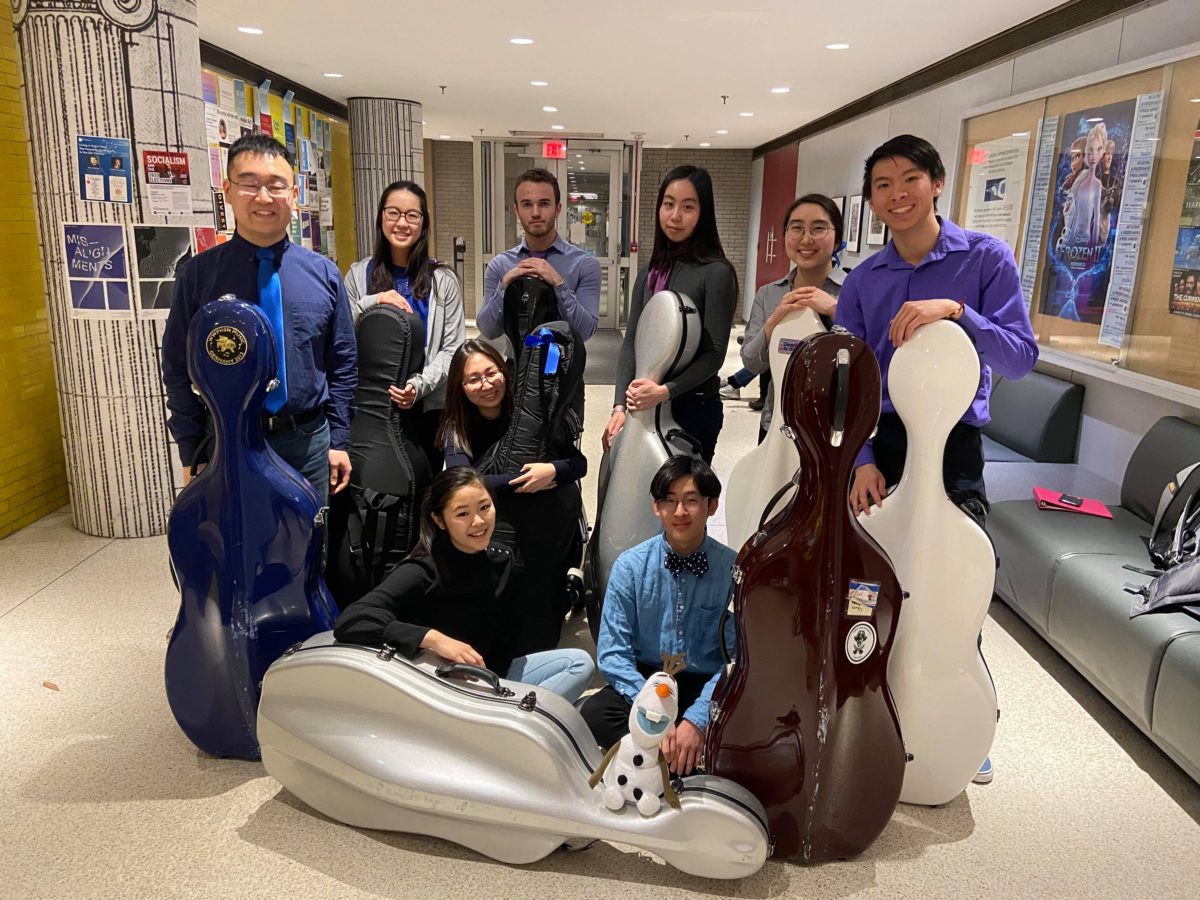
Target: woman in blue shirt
x,y
400,272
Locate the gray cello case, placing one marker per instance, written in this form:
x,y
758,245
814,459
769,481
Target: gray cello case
x,y
668,336
378,741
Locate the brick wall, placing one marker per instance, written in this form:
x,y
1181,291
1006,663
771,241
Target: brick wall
x,y
33,477
454,210
730,171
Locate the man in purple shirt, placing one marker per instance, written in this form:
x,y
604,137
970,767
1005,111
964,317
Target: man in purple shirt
x,y
931,269
573,273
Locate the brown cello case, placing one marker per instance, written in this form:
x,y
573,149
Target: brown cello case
x,y
803,717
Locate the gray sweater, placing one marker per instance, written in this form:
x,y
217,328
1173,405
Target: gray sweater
x,y
713,288
444,333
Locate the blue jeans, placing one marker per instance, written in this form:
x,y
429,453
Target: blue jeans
x,y
741,378
306,449
566,671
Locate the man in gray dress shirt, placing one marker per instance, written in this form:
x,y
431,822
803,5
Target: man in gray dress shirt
x,y
573,273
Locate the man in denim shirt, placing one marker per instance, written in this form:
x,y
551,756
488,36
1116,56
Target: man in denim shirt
x,y
666,595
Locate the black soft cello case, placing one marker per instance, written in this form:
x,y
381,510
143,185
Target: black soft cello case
x,y
549,385
375,523
528,303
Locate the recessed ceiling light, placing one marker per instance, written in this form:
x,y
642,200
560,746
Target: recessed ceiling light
x,y
837,46
583,168
1194,100
557,127
781,90
579,156
722,131
1020,134
549,109
521,41
444,137
540,83
423,122
746,115
249,29
705,144
332,74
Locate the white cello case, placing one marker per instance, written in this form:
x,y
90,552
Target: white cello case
x,y
374,740
668,336
942,689
760,474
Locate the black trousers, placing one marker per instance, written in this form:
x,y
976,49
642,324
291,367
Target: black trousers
x,y
962,464
701,417
607,712
427,424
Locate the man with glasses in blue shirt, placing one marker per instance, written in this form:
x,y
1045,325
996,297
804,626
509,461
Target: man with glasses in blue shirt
x,y
307,417
573,273
666,595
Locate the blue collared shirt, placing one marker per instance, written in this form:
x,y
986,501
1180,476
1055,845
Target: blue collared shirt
x,y
322,358
649,612
578,295
969,266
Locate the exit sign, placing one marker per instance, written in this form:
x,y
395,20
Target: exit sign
x,y
554,149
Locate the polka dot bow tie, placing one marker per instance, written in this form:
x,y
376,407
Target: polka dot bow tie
x,y
697,563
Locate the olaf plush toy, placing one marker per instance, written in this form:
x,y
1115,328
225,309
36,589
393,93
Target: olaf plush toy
x,y
633,770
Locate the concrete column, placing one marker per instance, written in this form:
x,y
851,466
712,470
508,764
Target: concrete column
x,y
121,69
385,146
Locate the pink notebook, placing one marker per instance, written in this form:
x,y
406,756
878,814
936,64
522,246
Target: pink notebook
x,y
1047,499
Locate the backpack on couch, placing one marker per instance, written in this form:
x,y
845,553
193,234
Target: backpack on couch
x,y
1174,550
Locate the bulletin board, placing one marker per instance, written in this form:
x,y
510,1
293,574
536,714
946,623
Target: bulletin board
x,y
318,143
1106,227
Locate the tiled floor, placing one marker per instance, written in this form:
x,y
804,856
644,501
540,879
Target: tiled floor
x,y
104,797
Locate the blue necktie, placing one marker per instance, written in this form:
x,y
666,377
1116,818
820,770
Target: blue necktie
x,y
270,300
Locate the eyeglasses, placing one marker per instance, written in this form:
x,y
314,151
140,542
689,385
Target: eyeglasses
x,y
275,188
816,231
491,376
391,215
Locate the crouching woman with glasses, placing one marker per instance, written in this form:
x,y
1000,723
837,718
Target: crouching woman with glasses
x,y
401,273
539,508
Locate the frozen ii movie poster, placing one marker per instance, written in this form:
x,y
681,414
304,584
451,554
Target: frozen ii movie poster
x,y
1083,214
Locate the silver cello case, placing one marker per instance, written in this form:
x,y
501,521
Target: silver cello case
x,y
668,337
377,741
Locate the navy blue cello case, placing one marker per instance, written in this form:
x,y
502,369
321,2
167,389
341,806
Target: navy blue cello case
x,y
245,538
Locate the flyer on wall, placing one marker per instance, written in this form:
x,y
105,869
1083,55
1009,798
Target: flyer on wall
x,y
997,187
97,271
105,164
168,182
159,251
1093,149
1185,270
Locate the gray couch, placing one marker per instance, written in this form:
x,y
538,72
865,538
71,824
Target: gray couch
x,y
1062,572
1034,419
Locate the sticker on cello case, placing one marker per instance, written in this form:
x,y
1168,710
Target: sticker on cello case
x,y
226,345
787,345
860,642
861,598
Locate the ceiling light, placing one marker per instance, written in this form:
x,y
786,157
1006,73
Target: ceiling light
x,y
781,90
746,115
423,122
722,131
556,127
579,156
705,144
520,41
549,109
837,46
332,74
540,83
249,29
1020,134
444,137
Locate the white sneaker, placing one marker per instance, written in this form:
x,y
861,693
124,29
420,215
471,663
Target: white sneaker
x,y
730,392
986,773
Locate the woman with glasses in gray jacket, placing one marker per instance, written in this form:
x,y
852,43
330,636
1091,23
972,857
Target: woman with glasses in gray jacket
x,y
400,272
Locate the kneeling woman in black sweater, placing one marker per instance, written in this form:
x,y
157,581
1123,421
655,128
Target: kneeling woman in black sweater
x,y
451,595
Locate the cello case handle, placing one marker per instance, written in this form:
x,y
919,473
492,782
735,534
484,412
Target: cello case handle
x,y
445,670
841,398
678,434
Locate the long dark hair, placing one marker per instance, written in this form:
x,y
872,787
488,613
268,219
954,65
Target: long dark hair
x,y
456,417
437,497
704,245
419,263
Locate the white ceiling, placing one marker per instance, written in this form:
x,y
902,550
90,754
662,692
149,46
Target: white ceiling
x,y
618,67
